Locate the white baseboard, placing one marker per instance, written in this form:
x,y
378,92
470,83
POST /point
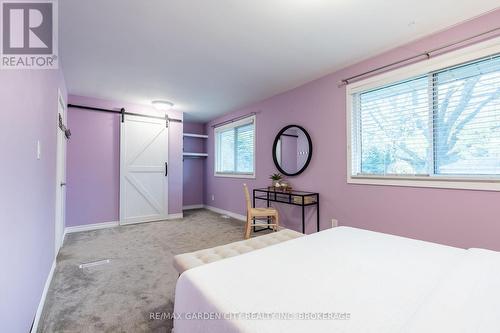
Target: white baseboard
x,y
42,299
188,207
226,212
87,227
104,225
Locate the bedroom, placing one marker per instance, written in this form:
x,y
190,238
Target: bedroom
x,y
127,152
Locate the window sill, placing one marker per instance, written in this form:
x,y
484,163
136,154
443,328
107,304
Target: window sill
x,y
234,175
480,184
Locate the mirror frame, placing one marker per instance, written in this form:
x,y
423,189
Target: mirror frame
x,y
275,144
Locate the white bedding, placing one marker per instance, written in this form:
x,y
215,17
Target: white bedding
x,y
385,283
467,299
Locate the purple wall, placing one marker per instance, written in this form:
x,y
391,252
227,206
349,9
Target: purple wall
x,y
93,169
455,217
28,112
193,175
93,165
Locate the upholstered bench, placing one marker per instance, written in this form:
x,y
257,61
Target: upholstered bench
x,y
185,261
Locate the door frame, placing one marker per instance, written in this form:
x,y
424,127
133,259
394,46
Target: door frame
x,y
123,134
61,165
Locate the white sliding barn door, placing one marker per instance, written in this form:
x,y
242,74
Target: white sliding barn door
x,y
143,170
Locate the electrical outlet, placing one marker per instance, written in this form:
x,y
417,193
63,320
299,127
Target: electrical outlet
x,y
335,223
213,197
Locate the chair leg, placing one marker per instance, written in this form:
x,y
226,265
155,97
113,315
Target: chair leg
x,y
248,227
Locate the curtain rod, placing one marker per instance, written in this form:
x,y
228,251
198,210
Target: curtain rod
x,y
427,55
234,119
122,112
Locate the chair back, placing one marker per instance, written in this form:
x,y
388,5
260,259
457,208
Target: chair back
x,y
247,197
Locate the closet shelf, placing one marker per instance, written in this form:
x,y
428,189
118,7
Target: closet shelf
x,y
195,154
192,135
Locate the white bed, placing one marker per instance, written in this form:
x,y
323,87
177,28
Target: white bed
x,y
384,283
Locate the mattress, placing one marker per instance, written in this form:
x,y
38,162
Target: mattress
x,y
467,299
338,280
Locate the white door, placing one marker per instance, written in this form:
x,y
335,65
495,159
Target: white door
x,y
143,170
60,174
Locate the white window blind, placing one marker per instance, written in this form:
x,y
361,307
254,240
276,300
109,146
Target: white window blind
x,y
234,148
467,119
445,122
394,127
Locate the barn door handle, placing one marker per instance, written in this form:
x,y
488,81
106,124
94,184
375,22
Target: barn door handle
x,y
166,169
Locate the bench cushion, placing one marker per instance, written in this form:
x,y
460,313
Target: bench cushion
x,y
185,261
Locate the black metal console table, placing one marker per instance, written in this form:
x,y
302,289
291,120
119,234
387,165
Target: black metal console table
x,y
296,198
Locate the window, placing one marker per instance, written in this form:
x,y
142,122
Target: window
x,y
235,149
393,125
467,119
441,125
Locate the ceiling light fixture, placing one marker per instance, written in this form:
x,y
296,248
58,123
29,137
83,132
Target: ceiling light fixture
x,y
162,105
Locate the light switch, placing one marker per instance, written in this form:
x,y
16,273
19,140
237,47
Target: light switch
x,y
38,150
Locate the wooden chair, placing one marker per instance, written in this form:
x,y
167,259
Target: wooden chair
x,y
256,213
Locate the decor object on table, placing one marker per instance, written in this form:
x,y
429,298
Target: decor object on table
x,y
285,187
303,200
276,178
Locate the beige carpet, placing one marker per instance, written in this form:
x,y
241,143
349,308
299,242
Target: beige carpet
x,y
139,280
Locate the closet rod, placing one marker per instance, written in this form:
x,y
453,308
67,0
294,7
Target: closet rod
x,y
122,112
427,54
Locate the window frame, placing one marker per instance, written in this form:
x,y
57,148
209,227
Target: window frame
x,y
233,125
454,58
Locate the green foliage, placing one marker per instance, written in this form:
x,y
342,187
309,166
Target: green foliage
x,y
375,161
276,177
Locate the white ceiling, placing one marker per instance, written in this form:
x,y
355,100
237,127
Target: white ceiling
x,y
210,57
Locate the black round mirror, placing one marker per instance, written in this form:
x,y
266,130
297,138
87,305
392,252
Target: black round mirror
x,y
292,150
